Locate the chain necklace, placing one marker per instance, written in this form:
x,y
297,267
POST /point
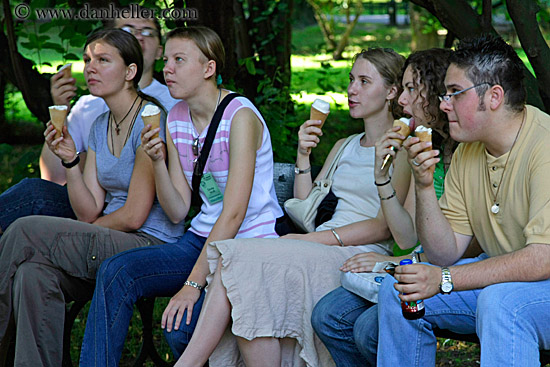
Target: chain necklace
x,y
195,147
117,124
495,208
129,129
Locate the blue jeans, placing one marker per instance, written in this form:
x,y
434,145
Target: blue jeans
x,y
34,196
511,320
155,271
333,319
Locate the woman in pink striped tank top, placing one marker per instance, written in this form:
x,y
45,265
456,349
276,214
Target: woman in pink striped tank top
x,y
237,192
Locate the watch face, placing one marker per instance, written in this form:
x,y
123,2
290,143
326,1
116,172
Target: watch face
x,y
446,287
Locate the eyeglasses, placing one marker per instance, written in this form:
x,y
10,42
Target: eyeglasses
x,y
447,97
145,32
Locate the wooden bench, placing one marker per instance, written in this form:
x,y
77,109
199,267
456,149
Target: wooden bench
x,y
283,178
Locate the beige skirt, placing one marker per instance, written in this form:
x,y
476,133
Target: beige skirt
x,y
273,285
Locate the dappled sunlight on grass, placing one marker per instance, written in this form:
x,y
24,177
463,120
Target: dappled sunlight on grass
x,y
336,100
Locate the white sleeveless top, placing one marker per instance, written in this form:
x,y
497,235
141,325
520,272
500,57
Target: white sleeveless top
x,y
353,185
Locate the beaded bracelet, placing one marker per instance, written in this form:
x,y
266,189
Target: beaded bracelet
x,y
387,198
382,184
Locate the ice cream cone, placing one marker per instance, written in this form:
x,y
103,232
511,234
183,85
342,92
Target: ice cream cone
x,y
424,134
57,116
319,111
151,116
404,129
66,69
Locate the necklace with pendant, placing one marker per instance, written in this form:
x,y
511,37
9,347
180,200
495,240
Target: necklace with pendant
x,y
195,147
117,124
495,208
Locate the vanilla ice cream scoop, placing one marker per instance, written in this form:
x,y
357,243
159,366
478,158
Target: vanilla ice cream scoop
x,y
319,111
424,134
151,116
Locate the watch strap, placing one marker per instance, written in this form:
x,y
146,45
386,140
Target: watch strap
x,y
73,163
446,285
301,171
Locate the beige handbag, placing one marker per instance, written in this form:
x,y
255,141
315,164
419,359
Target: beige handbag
x,y
303,212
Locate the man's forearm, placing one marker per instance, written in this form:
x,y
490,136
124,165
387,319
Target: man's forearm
x,y
434,231
529,264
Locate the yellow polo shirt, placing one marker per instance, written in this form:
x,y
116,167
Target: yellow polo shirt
x,y
524,198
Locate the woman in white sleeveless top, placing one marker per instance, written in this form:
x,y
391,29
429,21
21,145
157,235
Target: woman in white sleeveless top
x,y
265,289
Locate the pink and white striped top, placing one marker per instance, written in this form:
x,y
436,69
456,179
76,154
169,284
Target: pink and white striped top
x,y
263,208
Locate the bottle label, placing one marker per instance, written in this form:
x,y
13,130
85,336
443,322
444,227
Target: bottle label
x,y
412,307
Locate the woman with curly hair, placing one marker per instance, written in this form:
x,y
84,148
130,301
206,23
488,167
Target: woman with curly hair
x,y
340,317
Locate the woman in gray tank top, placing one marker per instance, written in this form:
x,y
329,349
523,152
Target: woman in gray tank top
x,y
47,261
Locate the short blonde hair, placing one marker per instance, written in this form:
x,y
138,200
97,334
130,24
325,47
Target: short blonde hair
x,y
208,42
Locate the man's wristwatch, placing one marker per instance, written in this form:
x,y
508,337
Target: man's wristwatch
x,y
301,171
446,285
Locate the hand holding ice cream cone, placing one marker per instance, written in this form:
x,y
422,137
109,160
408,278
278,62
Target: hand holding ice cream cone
x,y
62,86
425,135
404,129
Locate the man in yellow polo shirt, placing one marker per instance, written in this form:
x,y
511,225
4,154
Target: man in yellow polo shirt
x,y
498,190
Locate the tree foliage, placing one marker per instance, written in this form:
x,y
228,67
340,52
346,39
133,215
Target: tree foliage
x,y
256,36
325,12
464,19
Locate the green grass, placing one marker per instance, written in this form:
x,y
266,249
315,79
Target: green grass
x,y
133,339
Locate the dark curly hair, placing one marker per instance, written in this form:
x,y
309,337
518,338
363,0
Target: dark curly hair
x,y
489,59
429,68
388,63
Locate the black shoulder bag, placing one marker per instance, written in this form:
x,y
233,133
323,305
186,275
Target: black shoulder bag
x,y
198,170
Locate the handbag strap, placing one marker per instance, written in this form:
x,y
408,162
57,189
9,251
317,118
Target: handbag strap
x,y
332,168
198,170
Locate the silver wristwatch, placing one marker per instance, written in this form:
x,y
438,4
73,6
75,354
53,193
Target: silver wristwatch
x,y
301,171
446,286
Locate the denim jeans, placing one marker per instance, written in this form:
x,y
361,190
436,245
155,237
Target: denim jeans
x,y
511,320
333,320
156,271
34,196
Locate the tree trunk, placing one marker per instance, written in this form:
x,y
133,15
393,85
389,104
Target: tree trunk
x,y
524,16
422,38
337,54
324,25
34,86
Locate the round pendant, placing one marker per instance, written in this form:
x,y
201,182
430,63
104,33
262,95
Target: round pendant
x,y
495,208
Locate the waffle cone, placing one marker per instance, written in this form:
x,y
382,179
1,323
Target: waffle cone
x,y
318,115
424,136
58,119
154,121
67,72
404,129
